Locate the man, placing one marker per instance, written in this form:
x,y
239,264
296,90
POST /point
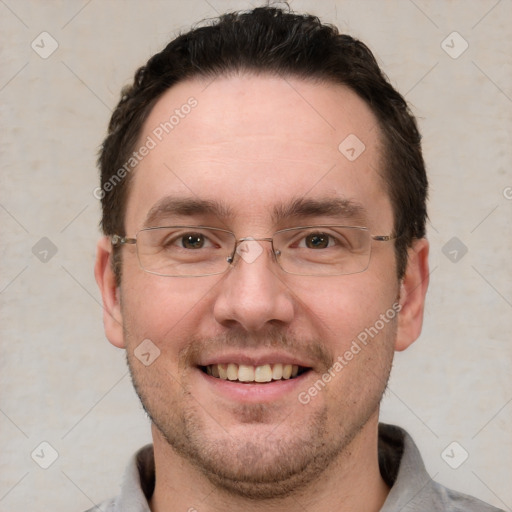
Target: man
x,y
263,194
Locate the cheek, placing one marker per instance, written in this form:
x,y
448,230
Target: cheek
x,y
339,309
359,328
167,311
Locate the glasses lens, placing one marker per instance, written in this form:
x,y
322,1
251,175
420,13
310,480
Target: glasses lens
x,y
184,250
323,250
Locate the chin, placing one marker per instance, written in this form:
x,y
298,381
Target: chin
x,y
259,462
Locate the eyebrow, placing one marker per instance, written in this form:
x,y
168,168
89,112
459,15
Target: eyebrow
x,y
171,206
346,209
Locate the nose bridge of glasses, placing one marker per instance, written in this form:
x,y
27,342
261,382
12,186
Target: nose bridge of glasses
x,y
253,239
249,248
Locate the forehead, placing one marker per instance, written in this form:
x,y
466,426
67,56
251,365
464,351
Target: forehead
x,y
256,144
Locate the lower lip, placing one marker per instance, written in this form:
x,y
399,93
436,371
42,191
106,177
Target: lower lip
x,y
256,392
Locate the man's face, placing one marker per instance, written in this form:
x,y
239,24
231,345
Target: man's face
x,y
256,146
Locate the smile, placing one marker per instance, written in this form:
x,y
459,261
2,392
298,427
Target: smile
x,y
248,373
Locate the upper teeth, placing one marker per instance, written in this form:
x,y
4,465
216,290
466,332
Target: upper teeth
x,y
248,373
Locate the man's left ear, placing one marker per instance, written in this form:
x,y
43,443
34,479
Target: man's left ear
x,y
413,289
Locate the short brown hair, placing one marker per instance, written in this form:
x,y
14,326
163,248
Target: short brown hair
x,y
278,42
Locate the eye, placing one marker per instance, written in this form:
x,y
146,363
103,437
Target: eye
x,y
317,241
187,240
193,241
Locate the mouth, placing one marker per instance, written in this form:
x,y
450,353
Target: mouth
x,y
249,374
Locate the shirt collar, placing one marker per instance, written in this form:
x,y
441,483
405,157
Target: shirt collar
x,y
400,460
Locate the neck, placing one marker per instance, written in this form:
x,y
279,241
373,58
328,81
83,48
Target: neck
x,y
351,482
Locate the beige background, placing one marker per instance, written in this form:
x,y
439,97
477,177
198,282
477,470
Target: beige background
x,y
61,382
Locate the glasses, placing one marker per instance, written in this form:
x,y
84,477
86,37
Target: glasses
x,y
195,251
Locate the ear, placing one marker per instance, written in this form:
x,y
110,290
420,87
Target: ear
x,y
413,289
106,279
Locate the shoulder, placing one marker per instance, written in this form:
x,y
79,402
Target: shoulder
x,y
137,486
454,501
412,489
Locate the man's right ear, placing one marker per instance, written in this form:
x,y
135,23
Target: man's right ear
x,y
106,279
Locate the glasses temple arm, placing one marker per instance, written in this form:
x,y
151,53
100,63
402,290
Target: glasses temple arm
x,y
121,240
383,238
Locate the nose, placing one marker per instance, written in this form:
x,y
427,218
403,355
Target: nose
x,y
253,294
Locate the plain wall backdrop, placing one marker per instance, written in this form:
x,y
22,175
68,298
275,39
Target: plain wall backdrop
x,y
63,384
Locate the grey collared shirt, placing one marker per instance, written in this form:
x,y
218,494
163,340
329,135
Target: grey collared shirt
x,y
401,467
